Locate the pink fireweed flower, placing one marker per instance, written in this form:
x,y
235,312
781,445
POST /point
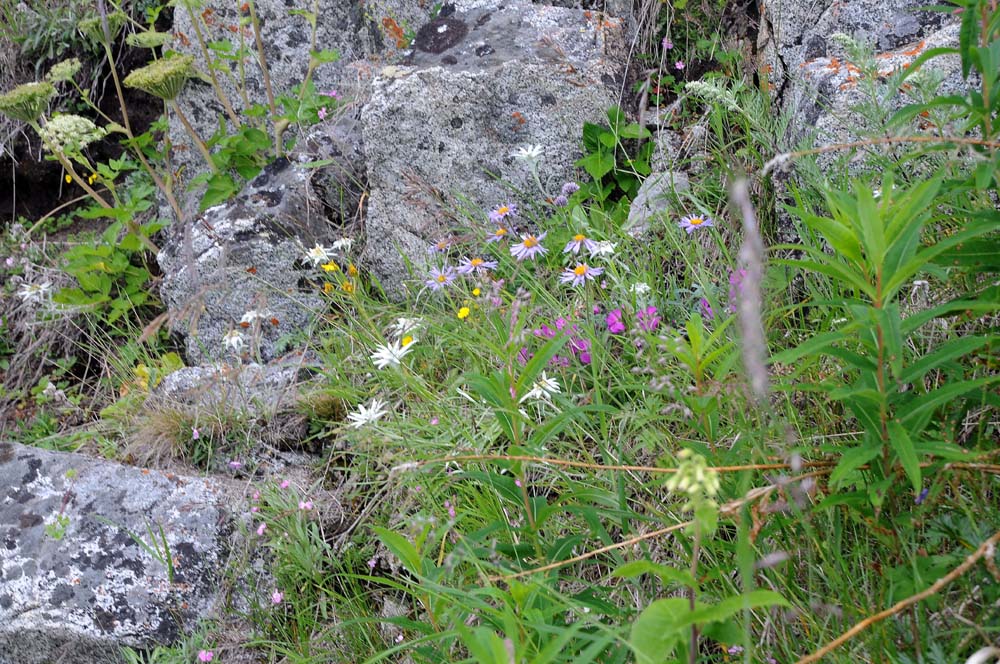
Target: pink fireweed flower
x,y
579,242
322,113
284,484
205,655
647,319
695,221
277,596
667,44
614,321
705,307
305,505
529,247
501,212
499,235
439,278
331,93
577,276
476,265
679,64
736,278
195,434
261,528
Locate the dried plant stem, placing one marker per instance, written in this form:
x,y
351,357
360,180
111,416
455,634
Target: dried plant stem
x,y
200,144
993,469
785,157
987,546
265,73
728,509
233,117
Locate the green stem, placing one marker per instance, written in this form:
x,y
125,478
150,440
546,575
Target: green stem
x,y
200,144
211,69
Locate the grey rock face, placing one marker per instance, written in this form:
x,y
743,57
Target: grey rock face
x,y
653,200
439,133
79,597
816,81
246,255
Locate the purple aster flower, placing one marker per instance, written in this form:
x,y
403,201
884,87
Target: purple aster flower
x,y
529,247
439,278
614,321
736,278
695,221
647,318
476,265
560,201
577,276
569,189
501,212
499,235
580,241
439,247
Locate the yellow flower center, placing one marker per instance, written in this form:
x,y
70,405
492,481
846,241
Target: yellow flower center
x,y
441,278
476,262
463,313
347,286
530,242
696,221
580,269
503,209
407,340
579,237
501,232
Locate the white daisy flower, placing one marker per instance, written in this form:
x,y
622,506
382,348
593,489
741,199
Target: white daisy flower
x,y
35,293
367,414
391,354
542,389
529,154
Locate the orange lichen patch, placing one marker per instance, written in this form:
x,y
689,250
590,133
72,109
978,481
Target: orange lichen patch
x,y
518,117
916,50
393,30
833,65
854,69
183,37
766,69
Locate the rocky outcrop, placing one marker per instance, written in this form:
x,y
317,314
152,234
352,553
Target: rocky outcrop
x,y
75,581
822,86
240,269
482,81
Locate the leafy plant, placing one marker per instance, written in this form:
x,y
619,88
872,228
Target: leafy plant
x,y
606,157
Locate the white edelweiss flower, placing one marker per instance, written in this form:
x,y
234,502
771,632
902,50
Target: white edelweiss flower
x,y
404,326
603,248
318,255
367,414
542,389
391,354
640,288
529,154
35,293
252,316
344,244
233,340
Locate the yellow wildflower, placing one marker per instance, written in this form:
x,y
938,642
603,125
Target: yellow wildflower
x,y
351,270
328,288
331,266
476,292
69,178
347,286
463,313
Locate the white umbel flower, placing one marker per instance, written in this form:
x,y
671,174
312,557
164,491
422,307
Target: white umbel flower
x,y
35,293
318,255
390,355
542,389
365,415
233,340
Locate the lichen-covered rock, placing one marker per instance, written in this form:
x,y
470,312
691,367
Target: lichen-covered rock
x,y
818,83
75,585
652,203
246,256
439,132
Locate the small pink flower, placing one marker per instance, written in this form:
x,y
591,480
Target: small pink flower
x,y
434,421
679,64
284,484
517,483
254,509
667,44
305,505
331,93
235,465
195,435
322,113
256,496
277,596
205,655
399,639
371,564
261,528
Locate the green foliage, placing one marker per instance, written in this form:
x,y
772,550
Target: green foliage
x,y
47,32
617,170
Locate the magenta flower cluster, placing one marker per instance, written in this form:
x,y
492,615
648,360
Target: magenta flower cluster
x,y
646,320
579,346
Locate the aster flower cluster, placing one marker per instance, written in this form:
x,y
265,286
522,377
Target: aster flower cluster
x,y
579,346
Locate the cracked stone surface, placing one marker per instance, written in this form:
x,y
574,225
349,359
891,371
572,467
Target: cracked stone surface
x,y
80,596
439,133
247,255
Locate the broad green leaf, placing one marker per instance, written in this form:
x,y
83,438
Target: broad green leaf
x,y
900,441
666,574
658,628
812,346
853,459
727,608
946,352
922,408
401,548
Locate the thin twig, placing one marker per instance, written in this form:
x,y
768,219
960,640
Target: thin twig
x,y
781,159
935,588
728,509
